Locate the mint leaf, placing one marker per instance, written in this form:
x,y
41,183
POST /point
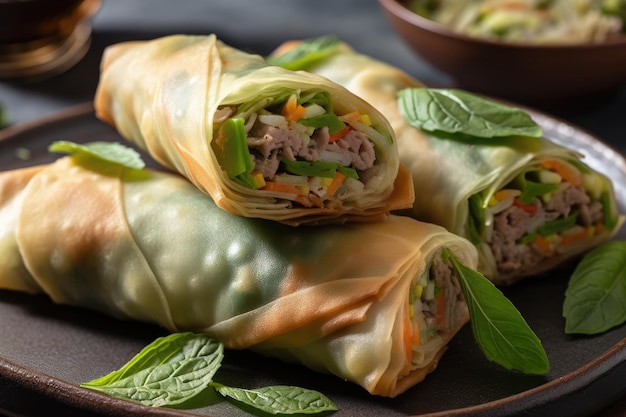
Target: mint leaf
x,y
498,327
595,298
455,111
107,151
279,399
167,372
174,369
307,54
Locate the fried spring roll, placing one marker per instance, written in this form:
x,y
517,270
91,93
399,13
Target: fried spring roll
x,y
373,303
262,141
527,205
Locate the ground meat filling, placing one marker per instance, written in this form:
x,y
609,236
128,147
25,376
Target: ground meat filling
x,y
433,303
513,223
273,140
445,278
268,143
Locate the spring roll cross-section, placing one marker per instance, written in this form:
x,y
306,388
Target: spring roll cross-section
x,y
374,303
527,203
262,141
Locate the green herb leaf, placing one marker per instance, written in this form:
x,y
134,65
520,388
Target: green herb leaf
x,y
595,298
280,399
307,54
167,372
455,111
498,327
106,151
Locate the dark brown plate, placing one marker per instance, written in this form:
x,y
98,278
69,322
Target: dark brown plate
x,y
47,350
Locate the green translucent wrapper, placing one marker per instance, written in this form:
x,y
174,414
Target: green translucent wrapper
x,y
149,246
446,173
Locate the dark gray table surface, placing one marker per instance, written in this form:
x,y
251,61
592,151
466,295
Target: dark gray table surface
x,y
259,26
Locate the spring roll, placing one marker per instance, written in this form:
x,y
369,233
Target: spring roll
x,y
528,204
262,141
371,302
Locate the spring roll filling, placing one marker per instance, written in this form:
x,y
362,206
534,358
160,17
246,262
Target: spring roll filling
x,y
298,148
433,300
549,209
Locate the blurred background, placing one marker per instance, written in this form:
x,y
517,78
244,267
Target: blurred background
x,y
258,26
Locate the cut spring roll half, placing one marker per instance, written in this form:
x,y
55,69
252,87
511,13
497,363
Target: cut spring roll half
x,y
479,168
374,303
262,141
539,215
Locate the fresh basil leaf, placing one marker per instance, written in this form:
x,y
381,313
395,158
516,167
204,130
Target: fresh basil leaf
x,y
107,151
279,399
167,372
455,111
595,298
498,327
306,54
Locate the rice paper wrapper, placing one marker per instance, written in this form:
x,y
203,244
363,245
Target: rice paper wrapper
x,y
154,248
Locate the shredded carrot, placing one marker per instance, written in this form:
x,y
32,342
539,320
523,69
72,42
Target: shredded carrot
x,y
280,187
416,340
339,178
354,116
338,135
408,337
292,111
565,170
441,307
542,244
572,238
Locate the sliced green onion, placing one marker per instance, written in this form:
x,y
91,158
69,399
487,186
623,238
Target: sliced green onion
x,y
328,119
558,225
